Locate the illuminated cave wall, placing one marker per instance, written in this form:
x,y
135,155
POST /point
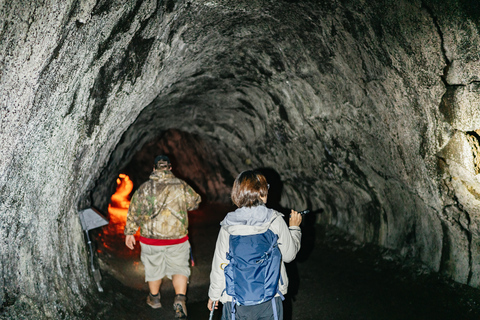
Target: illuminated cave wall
x,y
193,160
367,110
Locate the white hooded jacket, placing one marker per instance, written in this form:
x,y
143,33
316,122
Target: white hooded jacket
x,y
246,221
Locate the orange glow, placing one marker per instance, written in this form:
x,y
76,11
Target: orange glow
x,y
118,207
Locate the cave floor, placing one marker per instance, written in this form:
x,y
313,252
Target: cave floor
x,y
332,278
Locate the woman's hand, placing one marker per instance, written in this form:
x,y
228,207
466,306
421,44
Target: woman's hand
x,y
295,219
210,304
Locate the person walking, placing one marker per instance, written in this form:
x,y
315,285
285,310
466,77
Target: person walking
x,y
159,208
249,194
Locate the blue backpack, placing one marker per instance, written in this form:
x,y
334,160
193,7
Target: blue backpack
x,y
253,272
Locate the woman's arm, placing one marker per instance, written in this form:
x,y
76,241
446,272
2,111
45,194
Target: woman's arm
x,y
288,237
217,275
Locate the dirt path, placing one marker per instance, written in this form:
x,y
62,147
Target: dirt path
x,y
332,278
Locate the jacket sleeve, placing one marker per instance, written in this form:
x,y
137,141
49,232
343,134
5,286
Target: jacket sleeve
x,y
132,226
217,275
288,239
192,198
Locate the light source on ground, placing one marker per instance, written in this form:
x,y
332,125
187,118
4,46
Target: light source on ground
x,y
112,237
118,207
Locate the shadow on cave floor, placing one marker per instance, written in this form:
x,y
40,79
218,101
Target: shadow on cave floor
x,y
332,278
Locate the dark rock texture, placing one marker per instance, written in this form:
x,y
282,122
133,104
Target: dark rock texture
x,y
368,110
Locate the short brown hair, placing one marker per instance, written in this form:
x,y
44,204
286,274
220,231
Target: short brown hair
x,y
248,187
161,162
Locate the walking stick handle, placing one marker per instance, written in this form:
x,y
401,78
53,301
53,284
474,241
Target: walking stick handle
x,y
213,309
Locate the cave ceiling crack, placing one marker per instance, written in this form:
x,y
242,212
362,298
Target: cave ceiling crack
x,y
446,102
442,41
121,27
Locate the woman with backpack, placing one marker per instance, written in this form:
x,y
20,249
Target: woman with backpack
x,y
248,273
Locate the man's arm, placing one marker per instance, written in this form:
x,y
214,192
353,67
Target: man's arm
x,y
131,226
192,198
130,241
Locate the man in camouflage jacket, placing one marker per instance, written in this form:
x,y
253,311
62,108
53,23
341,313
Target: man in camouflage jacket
x,y
159,207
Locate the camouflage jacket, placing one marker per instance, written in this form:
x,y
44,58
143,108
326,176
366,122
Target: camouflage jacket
x,y
159,207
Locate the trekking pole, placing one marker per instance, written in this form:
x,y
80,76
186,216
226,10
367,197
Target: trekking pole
x,y
213,309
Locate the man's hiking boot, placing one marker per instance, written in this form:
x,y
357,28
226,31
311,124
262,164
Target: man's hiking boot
x,y
180,306
154,301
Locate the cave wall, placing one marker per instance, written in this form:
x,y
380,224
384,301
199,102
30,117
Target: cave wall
x,y
367,110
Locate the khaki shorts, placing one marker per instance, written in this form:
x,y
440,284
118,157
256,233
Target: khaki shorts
x,y
161,261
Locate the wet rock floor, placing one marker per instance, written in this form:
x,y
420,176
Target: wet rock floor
x,y
332,278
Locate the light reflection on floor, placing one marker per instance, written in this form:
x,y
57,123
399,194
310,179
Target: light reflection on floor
x,y
125,265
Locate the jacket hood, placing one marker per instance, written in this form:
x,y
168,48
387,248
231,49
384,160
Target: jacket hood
x,y
249,220
161,175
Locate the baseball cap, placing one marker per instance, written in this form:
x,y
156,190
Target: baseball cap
x,y
161,158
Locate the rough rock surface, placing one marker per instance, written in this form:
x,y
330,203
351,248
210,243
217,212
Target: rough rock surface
x,y
368,110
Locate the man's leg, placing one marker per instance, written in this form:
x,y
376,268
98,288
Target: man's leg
x,y
152,259
179,269
179,283
153,299
154,286
179,304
